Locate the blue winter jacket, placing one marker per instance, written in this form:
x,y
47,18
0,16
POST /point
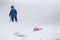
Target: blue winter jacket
x,y
13,13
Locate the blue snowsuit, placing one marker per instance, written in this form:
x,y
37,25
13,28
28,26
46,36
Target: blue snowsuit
x,y
13,14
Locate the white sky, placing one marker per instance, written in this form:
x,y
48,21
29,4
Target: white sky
x,y
36,11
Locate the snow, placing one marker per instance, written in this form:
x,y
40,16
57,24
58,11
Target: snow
x,y
31,13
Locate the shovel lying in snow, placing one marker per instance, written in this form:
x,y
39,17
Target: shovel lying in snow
x,y
19,34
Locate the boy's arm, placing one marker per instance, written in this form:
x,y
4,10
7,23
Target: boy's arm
x,y
16,12
9,13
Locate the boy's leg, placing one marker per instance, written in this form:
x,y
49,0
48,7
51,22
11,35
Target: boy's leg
x,y
16,18
12,19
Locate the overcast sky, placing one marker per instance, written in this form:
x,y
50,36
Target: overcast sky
x,y
35,11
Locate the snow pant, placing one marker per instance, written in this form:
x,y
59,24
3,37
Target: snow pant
x,y
14,18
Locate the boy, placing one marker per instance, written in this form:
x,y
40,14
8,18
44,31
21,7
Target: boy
x,y
13,14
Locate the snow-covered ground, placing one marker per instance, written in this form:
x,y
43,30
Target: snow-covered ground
x,y
43,14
